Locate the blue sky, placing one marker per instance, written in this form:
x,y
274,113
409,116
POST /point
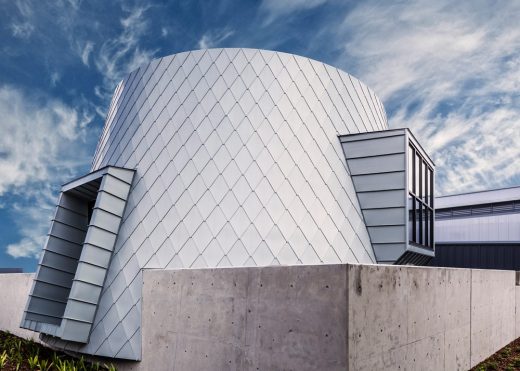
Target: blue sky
x,y
448,70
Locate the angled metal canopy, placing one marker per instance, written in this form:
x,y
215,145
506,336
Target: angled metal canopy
x,y
70,276
379,164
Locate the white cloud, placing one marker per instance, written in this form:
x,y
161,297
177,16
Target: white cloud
x,y
449,71
36,133
22,30
164,31
32,218
279,8
213,38
85,52
122,54
24,7
43,143
55,77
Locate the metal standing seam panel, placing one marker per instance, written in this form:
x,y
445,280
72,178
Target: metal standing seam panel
x,y
95,256
377,162
478,255
47,301
238,163
72,269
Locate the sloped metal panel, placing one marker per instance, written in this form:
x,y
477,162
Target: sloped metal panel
x,y
53,279
475,255
95,257
493,196
377,162
237,163
479,229
68,283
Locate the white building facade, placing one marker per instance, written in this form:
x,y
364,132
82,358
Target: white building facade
x,y
479,230
221,158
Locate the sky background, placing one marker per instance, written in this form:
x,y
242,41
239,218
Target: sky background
x,y
450,71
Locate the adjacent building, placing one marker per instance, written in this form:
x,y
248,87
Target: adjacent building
x,y
226,158
478,230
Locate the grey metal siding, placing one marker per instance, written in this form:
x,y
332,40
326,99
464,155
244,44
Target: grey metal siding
x,y
72,270
377,164
477,255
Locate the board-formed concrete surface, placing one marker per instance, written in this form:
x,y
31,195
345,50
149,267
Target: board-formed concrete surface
x,y
415,319
517,311
244,319
492,312
14,289
333,317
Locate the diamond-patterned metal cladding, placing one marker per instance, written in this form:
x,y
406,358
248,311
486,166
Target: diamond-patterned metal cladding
x,y
238,164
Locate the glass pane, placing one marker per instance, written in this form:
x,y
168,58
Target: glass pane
x,y
424,182
417,174
431,228
431,188
418,229
411,227
426,228
411,155
417,163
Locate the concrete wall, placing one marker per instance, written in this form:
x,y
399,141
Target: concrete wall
x,y
427,319
244,319
517,311
14,291
492,312
333,317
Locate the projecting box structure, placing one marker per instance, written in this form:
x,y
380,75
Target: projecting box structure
x,y
226,158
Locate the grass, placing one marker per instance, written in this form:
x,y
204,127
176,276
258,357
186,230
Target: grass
x,y
26,355
506,359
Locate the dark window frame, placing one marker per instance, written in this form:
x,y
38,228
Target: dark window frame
x,y
420,199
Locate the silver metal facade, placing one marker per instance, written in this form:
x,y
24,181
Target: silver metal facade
x,y
238,163
480,217
378,165
77,253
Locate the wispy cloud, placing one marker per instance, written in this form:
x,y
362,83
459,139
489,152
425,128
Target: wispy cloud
x,y
22,30
22,27
278,8
54,78
122,54
43,143
85,52
164,31
32,217
213,38
450,72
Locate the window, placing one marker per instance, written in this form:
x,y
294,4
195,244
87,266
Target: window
x,y
420,200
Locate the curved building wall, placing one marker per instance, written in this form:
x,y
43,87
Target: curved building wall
x,y
238,163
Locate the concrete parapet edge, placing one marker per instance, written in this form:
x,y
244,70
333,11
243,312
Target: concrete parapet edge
x,y
357,317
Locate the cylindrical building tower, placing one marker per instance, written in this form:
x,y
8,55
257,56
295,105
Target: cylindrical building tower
x,y
237,163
